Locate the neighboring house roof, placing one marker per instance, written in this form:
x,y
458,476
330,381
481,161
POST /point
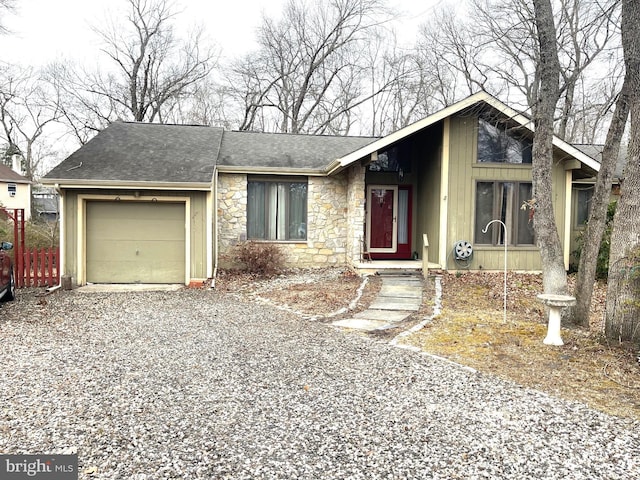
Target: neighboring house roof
x,y
128,152
473,100
244,151
595,152
9,176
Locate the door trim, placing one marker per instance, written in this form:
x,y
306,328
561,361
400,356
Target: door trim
x,y
394,240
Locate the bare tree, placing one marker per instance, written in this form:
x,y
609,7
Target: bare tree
x,y
208,105
307,75
598,210
455,53
548,94
623,288
411,84
399,83
151,71
27,109
6,6
496,50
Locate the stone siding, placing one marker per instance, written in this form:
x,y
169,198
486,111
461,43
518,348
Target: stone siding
x,y
355,212
232,216
328,233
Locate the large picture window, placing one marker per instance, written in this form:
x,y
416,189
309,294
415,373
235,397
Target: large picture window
x,y
277,210
503,201
496,144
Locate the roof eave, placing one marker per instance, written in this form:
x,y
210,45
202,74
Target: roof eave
x,y
127,184
13,180
523,120
311,172
384,142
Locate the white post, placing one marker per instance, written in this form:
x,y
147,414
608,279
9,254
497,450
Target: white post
x,y
484,230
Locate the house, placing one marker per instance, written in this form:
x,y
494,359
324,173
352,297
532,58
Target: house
x,y
166,203
583,190
15,190
44,203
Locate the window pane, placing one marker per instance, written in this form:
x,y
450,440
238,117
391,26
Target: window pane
x,y
502,201
484,211
525,227
281,211
403,217
499,146
271,212
583,200
506,209
255,210
277,210
297,211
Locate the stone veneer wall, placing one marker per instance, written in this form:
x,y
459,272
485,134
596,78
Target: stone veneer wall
x,y
356,196
328,236
232,216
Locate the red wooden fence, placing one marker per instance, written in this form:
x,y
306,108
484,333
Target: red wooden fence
x,y
37,267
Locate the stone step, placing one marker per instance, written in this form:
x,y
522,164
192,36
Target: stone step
x,y
395,272
400,281
406,291
384,315
396,303
360,324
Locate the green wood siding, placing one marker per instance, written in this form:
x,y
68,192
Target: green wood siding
x,y
429,168
464,172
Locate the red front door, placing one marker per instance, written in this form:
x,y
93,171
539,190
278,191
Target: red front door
x,y
389,221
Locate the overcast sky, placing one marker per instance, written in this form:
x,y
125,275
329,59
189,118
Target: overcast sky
x,y
46,30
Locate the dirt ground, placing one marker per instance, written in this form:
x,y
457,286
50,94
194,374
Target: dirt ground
x,y
471,331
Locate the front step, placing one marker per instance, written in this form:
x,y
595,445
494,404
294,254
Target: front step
x,y
403,272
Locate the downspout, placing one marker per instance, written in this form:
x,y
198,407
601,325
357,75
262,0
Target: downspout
x,y
215,226
61,257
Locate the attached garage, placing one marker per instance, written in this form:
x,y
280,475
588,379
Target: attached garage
x,y
137,205
135,242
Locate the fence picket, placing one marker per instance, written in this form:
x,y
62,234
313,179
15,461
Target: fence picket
x,y
37,267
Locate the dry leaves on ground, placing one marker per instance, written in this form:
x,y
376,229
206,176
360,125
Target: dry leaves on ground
x,y
315,292
471,330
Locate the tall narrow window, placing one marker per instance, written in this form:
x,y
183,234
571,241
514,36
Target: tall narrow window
x,y
403,216
583,204
503,201
276,210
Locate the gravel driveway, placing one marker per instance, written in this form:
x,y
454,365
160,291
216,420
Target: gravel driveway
x,y
194,384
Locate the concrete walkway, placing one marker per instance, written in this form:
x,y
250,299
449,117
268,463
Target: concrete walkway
x,y
399,297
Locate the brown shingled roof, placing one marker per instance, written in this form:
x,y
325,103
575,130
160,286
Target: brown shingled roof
x,y
8,175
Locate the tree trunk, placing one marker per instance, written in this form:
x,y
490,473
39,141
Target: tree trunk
x,y
598,211
548,240
623,289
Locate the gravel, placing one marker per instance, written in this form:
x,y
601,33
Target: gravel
x,y
195,384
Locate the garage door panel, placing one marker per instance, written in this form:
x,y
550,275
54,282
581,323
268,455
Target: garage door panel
x,y
135,242
129,250
137,272
145,231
